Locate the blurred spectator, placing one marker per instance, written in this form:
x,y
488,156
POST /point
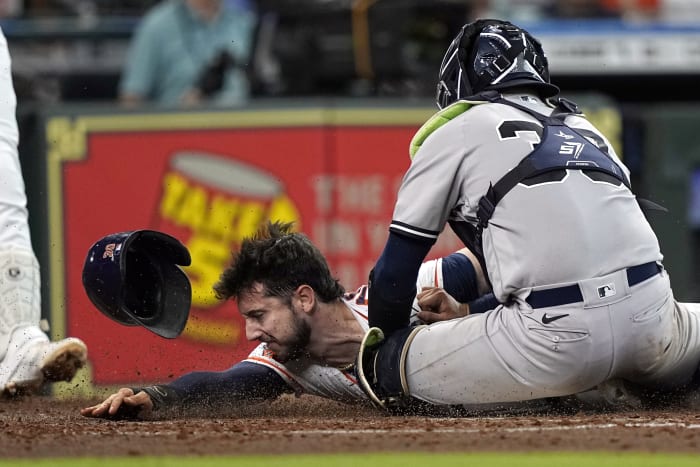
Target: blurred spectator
x,y
187,52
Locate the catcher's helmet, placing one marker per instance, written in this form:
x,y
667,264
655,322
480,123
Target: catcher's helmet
x,y
134,278
492,54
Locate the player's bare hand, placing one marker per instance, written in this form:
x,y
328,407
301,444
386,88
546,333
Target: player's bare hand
x,y
123,403
438,305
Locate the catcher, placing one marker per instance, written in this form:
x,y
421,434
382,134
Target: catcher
x,y
539,194
309,329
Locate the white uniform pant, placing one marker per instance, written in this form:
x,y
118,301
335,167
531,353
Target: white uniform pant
x,y
14,228
20,300
641,334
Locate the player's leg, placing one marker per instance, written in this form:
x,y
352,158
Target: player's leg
x,y
656,346
657,339
517,352
27,358
502,356
678,366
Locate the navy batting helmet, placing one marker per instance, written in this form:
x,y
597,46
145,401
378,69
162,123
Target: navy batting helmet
x,y
492,54
134,278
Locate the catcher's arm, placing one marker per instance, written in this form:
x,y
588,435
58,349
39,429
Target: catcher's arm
x,y
462,289
244,382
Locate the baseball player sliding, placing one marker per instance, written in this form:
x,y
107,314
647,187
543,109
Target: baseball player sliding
x,y
579,295
308,327
540,195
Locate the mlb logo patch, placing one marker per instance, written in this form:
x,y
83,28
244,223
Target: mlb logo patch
x,y
607,290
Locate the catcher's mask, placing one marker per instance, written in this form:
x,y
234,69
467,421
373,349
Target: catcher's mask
x,y
492,54
134,278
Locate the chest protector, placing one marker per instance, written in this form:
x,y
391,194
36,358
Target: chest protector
x,y
561,148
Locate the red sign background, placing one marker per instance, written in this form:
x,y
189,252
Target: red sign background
x,y
338,182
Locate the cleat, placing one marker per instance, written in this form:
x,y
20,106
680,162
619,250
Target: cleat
x,y
28,359
62,359
32,360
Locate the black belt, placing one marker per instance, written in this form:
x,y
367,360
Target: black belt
x,y
572,293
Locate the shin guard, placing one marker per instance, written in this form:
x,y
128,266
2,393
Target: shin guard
x,y
381,367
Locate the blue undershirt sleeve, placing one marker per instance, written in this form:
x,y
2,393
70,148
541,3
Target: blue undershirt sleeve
x,y
392,282
484,303
459,278
245,381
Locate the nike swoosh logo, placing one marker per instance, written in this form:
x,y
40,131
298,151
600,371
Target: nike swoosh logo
x,y
548,319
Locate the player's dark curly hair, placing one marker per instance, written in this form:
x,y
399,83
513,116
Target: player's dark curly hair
x,y
281,260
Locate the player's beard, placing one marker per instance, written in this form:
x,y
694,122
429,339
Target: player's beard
x,y
298,345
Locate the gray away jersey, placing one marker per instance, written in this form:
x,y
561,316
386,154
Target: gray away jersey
x,y
539,235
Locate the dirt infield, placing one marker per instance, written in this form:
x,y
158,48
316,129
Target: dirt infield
x,y
43,427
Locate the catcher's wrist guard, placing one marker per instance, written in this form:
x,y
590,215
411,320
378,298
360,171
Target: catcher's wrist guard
x,y
381,368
